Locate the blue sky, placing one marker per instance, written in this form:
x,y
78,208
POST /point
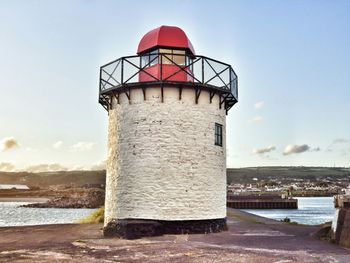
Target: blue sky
x,y
292,59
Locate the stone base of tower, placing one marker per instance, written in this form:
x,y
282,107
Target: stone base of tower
x,y
137,228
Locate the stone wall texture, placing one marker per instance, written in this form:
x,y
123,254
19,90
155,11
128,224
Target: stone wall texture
x,y
345,234
162,161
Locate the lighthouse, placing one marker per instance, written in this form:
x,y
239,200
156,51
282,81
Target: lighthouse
x,y
166,164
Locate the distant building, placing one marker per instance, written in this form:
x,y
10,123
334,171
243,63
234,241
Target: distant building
x,y
13,186
347,190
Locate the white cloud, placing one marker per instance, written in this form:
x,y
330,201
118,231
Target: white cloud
x,y
82,146
256,119
340,140
317,149
45,167
52,167
102,165
292,149
336,144
8,143
57,145
264,150
32,150
78,168
7,167
259,105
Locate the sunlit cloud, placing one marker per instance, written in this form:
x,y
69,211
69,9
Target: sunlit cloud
x,y
32,150
259,104
45,167
82,146
57,145
52,167
7,167
102,165
294,149
8,143
256,119
264,150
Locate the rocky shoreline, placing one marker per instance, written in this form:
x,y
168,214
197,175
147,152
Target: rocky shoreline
x,y
77,198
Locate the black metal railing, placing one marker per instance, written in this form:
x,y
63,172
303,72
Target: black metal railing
x,y
201,71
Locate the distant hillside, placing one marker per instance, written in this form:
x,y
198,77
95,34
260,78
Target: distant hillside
x,y
44,180
237,175
287,174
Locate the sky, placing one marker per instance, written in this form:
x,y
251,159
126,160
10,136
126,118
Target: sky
x,y
292,59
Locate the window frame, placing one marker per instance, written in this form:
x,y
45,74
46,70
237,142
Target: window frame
x,y
172,54
218,134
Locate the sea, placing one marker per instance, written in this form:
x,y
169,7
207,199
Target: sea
x,y
13,215
311,211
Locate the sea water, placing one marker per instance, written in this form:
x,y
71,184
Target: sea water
x,y
311,211
13,215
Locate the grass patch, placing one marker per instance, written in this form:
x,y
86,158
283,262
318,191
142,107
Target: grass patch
x,y
244,218
95,218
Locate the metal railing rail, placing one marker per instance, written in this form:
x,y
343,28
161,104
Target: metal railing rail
x,y
200,70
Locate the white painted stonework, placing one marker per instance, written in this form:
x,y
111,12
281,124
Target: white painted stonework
x,y
162,161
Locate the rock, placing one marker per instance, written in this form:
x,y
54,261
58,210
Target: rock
x,y
91,198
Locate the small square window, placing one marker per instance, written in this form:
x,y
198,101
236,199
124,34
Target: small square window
x,y
145,60
153,58
218,134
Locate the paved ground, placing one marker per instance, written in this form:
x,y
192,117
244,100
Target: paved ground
x,y
249,239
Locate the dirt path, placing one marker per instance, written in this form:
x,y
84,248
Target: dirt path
x,y
249,239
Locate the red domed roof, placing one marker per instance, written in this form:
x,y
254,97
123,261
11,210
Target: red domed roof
x,y
165,36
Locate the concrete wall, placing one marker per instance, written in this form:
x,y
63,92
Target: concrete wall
x,y
162,161
341,227
345,233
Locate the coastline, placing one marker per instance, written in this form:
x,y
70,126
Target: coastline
x,y
24,199
66,198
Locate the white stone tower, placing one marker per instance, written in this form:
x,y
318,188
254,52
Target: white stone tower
x,y
166,167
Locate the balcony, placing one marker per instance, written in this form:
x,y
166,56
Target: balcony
x,y
161,69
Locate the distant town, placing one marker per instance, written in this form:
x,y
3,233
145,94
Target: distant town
x,y
325,187
294,181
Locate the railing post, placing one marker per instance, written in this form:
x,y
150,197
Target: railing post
x,y
161,66
100,83
230,79
202,70
122,75
236,88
